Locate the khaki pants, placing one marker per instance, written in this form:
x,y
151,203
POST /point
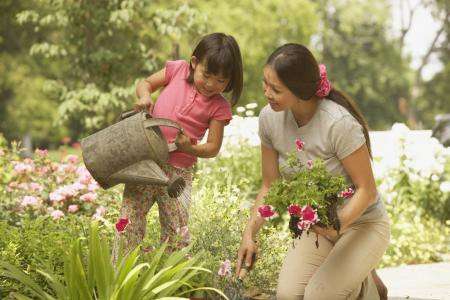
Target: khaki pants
x,y
338,269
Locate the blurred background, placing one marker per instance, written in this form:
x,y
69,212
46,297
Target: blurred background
x,y
68,68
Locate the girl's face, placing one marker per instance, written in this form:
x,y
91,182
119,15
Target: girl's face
x,y
278,95
206,83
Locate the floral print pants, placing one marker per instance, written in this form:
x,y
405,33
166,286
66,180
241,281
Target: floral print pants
x,y
173,213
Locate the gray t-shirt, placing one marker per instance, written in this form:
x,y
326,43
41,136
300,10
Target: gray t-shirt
x,y
331,135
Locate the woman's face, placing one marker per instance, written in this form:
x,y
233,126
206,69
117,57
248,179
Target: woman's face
x,y
278,95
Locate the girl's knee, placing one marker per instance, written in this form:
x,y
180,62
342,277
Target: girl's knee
x,y
323,291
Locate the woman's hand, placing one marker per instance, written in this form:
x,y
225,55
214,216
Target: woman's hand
x,y
246,256
328,232
183,143
144,103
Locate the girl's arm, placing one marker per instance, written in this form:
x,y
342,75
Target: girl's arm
x,y
270,173
147,86
210,148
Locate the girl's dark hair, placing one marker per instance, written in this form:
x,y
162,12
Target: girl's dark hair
x,y
221,56
297,68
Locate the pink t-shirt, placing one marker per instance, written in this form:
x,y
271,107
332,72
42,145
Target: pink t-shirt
x,y
181,102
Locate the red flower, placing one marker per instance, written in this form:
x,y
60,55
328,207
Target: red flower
x,y
294,210
347,193
267,212
300,144
122,224
309,214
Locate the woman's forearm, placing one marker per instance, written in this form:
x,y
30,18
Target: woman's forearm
x,y
356,207
256,222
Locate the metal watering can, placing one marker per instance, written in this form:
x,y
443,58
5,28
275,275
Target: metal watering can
x,y
130,151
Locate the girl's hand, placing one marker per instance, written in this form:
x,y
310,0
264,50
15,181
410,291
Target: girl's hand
x,y
246,256
183,143
144,103
328,232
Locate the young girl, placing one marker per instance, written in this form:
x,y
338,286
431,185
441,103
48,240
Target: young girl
x,y
192,97
304,105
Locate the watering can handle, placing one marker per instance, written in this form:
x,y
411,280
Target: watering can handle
x,y
162,122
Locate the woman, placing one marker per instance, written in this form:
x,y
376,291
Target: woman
x,y
302,104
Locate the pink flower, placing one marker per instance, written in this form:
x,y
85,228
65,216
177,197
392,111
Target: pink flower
x,y
73,208
183,232
92,187
267,212
309,164
68,191
72,159
22,168
34,186
347,193
225,268
89,197
29,201
300,144
99,212
309,214
303,225
12,185
57,214
122,224
324,87
56,196
41,153
294,210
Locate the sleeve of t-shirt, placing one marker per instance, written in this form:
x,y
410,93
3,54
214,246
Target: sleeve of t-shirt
x,y
262,131
347,136
173,67
222,112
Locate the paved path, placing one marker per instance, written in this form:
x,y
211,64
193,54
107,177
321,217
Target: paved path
x,y
418,282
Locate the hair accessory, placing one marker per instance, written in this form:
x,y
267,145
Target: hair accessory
x,y
324,87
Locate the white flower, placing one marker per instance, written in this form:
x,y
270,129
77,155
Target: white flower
x,y
57,214
445,186
240,109
225,268
249,113
252,105
29,201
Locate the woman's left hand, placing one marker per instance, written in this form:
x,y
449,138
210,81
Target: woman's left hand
x,y
327,232
183,143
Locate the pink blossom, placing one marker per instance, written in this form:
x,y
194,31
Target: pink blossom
x,y
89,197
225,268
12,185
73,208
29,201
300,144
43,170
304,225
183,232
83,175
67,168
309,214
76,145
309,164
267,212
56,196
41,153
34,186
57,214
72,159
78,186
99,212
92,187
347,193
122,224
22,168
68,191
294,210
